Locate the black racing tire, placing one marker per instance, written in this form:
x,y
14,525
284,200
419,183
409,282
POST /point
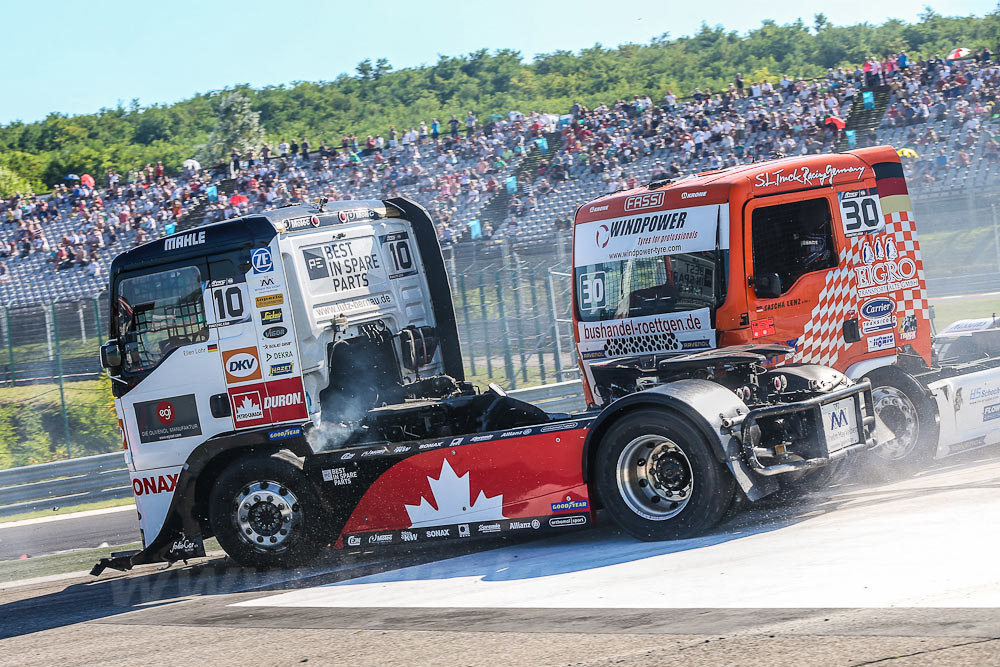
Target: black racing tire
x,y
680,468
905,407
265,513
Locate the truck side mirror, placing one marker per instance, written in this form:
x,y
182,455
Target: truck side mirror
x,y
111,355
767,286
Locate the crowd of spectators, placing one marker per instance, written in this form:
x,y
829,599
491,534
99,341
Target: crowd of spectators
x,y
455,167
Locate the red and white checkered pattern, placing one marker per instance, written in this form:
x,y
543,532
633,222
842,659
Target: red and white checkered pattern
x,y
822,341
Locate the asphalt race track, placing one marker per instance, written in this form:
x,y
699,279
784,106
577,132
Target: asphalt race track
x,y
896,573
82,530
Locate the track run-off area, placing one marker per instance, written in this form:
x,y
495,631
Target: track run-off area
x,y
853,574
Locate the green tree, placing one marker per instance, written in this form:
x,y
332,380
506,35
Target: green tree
x,y
237,127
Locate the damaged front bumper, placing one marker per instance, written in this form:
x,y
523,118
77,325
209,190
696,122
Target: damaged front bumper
x,y
843,421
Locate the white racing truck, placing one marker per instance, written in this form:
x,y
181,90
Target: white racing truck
x,y
294,379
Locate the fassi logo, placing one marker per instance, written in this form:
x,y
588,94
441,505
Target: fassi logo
x,y
648,200
165,412
153,485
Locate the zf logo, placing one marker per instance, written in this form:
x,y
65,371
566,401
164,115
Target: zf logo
x,y
261,260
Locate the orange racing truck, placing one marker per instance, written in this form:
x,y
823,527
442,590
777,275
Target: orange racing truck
x,y
818,253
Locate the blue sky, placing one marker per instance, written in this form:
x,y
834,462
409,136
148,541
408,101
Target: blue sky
x,y
81,56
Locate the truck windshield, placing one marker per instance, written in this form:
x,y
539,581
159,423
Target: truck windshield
x,y
157,313
649,286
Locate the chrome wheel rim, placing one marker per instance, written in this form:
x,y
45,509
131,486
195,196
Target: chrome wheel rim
x,y
655,478
895,409
267,515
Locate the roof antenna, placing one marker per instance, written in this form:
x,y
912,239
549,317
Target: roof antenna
x,y
321,203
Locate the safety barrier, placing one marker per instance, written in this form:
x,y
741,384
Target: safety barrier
x,y
104,477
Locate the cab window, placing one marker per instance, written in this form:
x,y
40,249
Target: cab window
x,y
793,239
159,312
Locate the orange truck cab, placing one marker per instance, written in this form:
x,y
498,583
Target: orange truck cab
x,y
818,253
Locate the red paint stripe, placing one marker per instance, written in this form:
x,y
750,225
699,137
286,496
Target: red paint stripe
x,y
891,186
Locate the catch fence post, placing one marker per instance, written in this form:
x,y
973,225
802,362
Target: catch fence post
x,y
508,360
538,327
518,324
468,323
62,391
555,327
10,344
486,326
97,318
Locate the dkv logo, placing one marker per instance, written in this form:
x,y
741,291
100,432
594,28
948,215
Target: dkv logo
x,y
241,365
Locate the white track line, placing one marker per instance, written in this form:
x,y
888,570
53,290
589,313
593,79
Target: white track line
x,y
64,517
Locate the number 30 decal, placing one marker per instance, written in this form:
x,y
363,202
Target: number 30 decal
x,y
860,213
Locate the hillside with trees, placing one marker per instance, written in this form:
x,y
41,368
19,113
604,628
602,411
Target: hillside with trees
x,y
39,154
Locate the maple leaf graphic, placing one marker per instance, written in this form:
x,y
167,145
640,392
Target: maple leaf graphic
x,y
451,495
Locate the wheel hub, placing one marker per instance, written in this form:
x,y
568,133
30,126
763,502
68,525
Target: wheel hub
x,y
654,477
896,411
267,515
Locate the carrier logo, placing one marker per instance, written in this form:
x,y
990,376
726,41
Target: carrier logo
x,y
282,369
270,300
879,307
183,240
152,485
275,332
165,413
271,317
241,365
648,200
261,260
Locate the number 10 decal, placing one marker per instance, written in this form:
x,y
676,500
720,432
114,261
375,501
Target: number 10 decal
x,y
860,212
230,305
400,253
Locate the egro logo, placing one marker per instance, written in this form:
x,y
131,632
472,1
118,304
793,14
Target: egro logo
x,y
648,200
261,260
603,236
165,412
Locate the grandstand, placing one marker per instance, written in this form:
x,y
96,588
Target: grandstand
x,y
515,180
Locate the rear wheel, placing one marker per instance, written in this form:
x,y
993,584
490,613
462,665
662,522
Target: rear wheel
x,y
265,513
658,479
908,430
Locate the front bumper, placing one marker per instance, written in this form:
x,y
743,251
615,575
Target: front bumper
x,y
823,454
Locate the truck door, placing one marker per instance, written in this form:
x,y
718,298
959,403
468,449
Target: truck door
x,y
169,345
169,373
792,264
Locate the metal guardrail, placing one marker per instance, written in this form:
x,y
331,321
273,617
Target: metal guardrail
x,y
104,477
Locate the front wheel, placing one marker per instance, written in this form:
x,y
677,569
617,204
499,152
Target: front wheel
x,y
658,479
907,434
265,513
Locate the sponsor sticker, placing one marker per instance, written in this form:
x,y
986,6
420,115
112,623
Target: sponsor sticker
x,y
148,486
569,505
991,412
269,300
261,261
183,241
241,365
340,476
647,200
167,418
285,433
282,369
885,341
564,521
878,307
270,316
275,332
762,327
